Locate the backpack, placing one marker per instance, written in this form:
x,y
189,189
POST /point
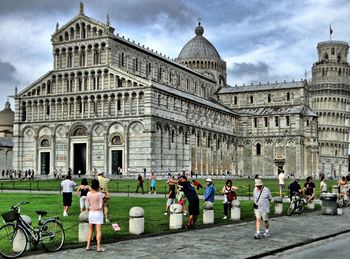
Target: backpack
x,y
231,196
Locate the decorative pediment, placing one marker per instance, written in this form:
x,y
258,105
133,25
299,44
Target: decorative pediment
x,y
39,86
81,27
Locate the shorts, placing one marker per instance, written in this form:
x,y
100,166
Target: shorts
x,y
96,217
193,208
67,198
282,187
261,215
170,201
84,202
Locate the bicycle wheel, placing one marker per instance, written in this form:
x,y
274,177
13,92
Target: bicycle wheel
x,y
52,235
291,208
301,207
13,242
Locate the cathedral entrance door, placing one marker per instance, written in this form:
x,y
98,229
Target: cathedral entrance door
x,y
117,161
79,159
45,163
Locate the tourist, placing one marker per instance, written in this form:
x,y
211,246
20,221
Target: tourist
x,y
171,196
140,181
281,183
153,181
82,191
197,184
95,200
181,199
67,190
323,185
193,200
256,177
294,188
79,173
229,195
209,192
309,189
262,197
103,181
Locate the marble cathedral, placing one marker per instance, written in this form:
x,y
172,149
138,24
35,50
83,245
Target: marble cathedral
x,y
114,105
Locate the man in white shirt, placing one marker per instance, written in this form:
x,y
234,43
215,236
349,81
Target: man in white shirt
x,y
281,183
262,197
67,190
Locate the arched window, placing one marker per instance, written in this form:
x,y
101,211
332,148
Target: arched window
x,y
235,100
251,99
82,59
79,132
339,72
45,143
338,58
172,136
269,98
332,51
288,96
69,61
96,57
326,57
116,140
258,149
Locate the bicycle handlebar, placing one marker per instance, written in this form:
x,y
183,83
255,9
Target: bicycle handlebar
x,y
19,204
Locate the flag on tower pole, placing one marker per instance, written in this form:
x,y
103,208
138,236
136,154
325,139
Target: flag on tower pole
x,y
330,32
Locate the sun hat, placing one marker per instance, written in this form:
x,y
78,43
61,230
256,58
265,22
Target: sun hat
x,y
208,180
258,182
100,173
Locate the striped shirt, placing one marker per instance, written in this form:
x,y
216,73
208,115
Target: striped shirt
x,y
264,200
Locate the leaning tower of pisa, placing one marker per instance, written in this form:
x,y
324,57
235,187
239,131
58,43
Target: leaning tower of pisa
x,y
330,91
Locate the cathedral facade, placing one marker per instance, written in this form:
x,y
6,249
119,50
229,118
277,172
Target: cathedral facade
x,y
110,104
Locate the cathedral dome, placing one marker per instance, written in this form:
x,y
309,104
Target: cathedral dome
x,y
199,47
7,115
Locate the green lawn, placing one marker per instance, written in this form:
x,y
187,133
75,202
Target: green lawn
x,y
127,185
155,221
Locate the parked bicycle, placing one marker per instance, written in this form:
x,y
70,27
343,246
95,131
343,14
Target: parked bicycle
x,y
17,235
297,204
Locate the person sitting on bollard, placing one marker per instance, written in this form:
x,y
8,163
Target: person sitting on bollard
x,y
309,189
140,181
229,195
171,195
181,199
262,197
95,199
82,191
197,184
209,192
193,200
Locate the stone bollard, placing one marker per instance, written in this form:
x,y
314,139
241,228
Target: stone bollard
x,y
175,221
83,226
278,205
339,211
310,205
235,210
19,238
208,213
328,203
136,221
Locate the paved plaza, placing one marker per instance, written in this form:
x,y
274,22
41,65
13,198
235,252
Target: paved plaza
x,y
233,241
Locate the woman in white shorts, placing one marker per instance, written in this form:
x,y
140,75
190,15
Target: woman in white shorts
x,y
95,201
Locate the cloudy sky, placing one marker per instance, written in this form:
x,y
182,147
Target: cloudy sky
x,y
260,40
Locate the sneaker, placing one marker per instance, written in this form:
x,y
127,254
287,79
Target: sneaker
x,y
224,217
65,214
165,213
101,249
184,213
257,236
149,192
107,221
266,234
154,193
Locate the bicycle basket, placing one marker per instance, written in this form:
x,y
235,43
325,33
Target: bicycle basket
x,y
10,216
